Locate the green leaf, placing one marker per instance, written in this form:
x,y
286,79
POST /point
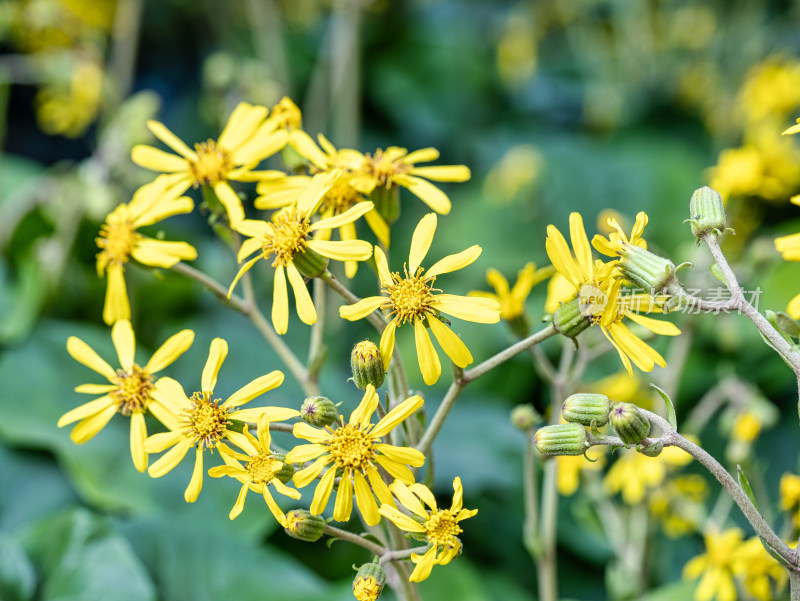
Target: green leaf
x,y
670,407
17,576
745,484
715,269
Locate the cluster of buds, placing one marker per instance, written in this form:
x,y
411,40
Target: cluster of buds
x,y
586,410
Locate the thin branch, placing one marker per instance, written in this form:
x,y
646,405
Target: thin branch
x,y
402,554
503,356
334,532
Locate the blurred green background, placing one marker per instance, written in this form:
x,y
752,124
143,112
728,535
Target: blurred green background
x,y
555,105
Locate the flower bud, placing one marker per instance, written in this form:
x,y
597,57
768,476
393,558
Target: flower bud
x,y
287,471
524,417
651,450
570,320
300,524
562,439
318,411
387,202
647,270
707,212
367,365
369,581
586,409
629,423
309,263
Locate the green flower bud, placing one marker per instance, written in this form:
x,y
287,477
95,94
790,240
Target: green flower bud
x,y
524,417
300,524
651,450
569,320
629,423
287,471
309,263
586,408
387,202
369,581
318,411
563,439
707,212
647,270
367,365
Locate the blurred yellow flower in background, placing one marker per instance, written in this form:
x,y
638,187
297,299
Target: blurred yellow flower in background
x,y
570,468
634,475
758,569
716,566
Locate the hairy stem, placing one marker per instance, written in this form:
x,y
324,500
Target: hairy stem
x,y
334,532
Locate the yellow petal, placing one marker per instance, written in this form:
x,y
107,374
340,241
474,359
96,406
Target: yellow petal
x,y
344,499
161,441
663,328
361,309
475,309
400,520
255,388
387,343
342,250
603,246
138,436
168,352
170,393
308,149
455,262
407,499
458,496
305,452
424,155
158,160
280,301
273,414
443,173
255,228
241,124
363,412
264,143
378,226
365,500
379,487
116,305
421,241
216,355
405,455
83,353
426,192
196,483
428,360
561,257
273,506
244,269
450,343
86,410
793,308
247,248
395,469
349,216
323,492
170,459
231,202
580,244
95,388
383,268
313,193
239,505
397,415
424,493
124,343
161,253
91,425
306,475
165,135
792,130
302,299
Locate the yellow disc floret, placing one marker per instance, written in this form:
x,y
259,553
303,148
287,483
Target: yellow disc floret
x,y
441,528
205,421
263,468
409,297
366,589
289,235
382,168
351,447
118,238
212,165
339,198
133,390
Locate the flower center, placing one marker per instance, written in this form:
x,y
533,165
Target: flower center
x,y
381,167
118,237
351,447
340,197
212,165
366,351
410,297
288,238
441,528
366,589
205,422
263,467
133,390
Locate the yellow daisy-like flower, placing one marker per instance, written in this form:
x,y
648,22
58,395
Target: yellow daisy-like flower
x,y
790,495
355,451
202,422
634,474
288,239
130,391
715,567
789,247
439,527
247,139
759,569
413,298
397,167
512,299
119,241
260,470
615,244
367,589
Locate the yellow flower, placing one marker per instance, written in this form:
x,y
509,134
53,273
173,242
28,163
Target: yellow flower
x,y
397,167
570,468
412,299
260,469
355,450
789,247
288,239
201,421
579,269
715,567
559,291
790,495
130,391
758,569
248,138
439,527
119,241
366,589
512,300
634,474
679,503
617,240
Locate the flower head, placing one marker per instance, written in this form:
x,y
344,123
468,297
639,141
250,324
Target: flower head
x,y
130,391
248,138
354,451
412,298
119,241
202,421
257,469
759,569
287,241
438,527
715,567
512,299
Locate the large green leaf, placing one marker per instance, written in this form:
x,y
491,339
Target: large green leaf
x,y
17,575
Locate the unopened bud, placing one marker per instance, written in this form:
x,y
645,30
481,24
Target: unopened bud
x,y
585,408
562,439
367,365
287,471
570,320
318,411
369,581
647,270
300,524
309,263
524,417
707,212
629,423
